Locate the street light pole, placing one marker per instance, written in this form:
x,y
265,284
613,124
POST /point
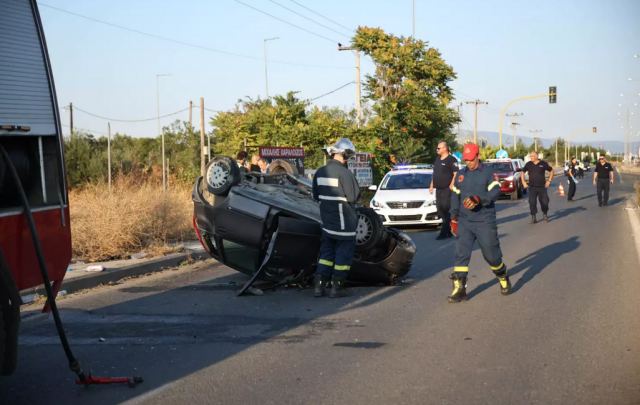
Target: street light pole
x,y
358,96
266,73
164,169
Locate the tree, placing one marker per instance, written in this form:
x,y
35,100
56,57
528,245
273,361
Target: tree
x,y
410,93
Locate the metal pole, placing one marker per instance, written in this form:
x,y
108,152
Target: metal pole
x,y
202,136
477,102
164,167
109,153
358,95
190,114
70,120
266,73
413,31
556,151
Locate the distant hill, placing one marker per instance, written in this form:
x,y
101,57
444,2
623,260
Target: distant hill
x,y
492,139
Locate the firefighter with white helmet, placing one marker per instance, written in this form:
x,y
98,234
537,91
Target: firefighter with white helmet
x,y
337,190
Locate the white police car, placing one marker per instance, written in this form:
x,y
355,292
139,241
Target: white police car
x,y
403,197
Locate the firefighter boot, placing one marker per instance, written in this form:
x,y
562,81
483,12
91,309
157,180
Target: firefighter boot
x,y
319,284
503,280
459,292
338,289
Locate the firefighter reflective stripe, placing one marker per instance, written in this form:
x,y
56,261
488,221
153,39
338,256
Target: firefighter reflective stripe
x,y
498,267
464,269
332,198
492,185
503,282
328,181
326,262
342,267
341,216
336,233
455,189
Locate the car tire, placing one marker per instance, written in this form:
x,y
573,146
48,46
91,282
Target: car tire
x,y
280,166
221,174
369,230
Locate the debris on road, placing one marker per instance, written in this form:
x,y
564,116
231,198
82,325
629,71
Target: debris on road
x,y
94,268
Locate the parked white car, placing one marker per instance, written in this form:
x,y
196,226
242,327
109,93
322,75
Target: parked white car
x,y
403,197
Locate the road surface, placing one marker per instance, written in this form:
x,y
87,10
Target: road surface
x,y
569,334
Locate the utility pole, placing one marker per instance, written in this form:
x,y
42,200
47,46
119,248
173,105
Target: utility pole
x,y
109,153
164,167
460,119
70,120
358,97
535,139
266,73
190,114
476,102
202,136
514,124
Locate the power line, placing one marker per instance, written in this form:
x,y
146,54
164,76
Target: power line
x,y
184,43
127,120
333,41
350,30
308,18
332,91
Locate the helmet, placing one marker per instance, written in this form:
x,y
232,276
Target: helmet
x,y
343,146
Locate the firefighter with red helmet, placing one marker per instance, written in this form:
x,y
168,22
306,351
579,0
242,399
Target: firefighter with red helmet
x,y
473,216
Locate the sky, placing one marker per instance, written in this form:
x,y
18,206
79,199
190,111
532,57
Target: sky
x,y
500,50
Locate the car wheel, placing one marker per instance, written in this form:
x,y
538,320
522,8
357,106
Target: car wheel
x,y
369,230
280,166
221,174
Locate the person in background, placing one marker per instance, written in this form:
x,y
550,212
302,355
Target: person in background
x,y
253,166
445,168
571,178
537,185
602,179
241,159
263,165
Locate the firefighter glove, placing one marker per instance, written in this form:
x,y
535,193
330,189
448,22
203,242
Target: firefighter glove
x,y
454,227
471,202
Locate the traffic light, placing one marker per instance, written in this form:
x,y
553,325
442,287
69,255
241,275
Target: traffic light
x,y
595,130
552,94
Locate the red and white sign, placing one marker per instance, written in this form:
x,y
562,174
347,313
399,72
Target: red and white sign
x,y
277,152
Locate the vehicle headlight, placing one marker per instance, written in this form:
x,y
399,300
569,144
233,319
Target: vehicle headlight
x,y
376,204
510,178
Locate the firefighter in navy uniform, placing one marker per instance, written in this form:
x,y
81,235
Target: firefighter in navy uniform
x,y
336,188
473,218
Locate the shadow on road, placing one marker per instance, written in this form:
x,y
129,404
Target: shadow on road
x,y
616,201
566,212
513,217
585,197
533,264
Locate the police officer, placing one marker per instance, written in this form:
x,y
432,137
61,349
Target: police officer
x,y
537,185
571,176
602,179
336,188
473,217
444,169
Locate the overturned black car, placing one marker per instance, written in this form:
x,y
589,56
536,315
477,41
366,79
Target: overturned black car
x,y
268,226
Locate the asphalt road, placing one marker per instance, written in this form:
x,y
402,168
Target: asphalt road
x,y
569,334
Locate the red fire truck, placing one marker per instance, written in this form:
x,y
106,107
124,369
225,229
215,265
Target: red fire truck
x,y
32,176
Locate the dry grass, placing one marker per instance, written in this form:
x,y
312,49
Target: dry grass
x,y
135,216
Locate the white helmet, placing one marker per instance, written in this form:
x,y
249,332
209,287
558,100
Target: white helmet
x,y
343,146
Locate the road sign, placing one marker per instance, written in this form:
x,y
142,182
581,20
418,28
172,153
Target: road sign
x,y
502,154
360,166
